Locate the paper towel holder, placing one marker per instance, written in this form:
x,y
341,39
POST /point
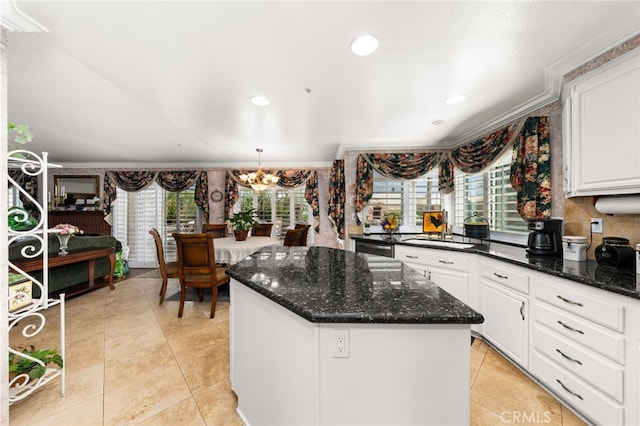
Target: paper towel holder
x,y
617,204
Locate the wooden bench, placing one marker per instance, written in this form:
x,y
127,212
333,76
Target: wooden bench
x,y
74,256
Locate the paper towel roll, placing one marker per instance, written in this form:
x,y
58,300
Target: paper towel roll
x,y
619,205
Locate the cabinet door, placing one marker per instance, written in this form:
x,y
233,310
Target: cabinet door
x,y
506,319
454,283
605,129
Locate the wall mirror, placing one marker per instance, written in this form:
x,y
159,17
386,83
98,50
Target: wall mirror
x,y
73,189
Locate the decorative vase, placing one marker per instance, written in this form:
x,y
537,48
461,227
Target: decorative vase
x,y
241,235
63,239
389,232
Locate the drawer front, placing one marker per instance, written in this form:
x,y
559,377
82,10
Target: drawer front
x,y
577,393
437,258
594,337
448,260
601,373
511,278
599,311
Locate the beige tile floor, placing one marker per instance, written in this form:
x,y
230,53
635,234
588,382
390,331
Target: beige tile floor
x,y
130,361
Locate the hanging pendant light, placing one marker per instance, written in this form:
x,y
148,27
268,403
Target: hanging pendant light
x,y
259,180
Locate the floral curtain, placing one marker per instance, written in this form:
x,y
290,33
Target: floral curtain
x,y
175,181
288,179
337,197
230,192
128,181
477,155
30,185
398,166
312,195
531,169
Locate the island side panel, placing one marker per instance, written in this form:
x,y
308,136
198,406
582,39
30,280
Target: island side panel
x,y
273,363
409,374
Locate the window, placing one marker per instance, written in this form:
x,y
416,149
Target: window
x,y
407,198
489,193
282,207
135,213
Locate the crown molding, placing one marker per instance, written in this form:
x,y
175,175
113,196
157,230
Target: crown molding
x,y
13,19
182,166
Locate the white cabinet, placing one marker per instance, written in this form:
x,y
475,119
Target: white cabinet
x,y
601,128
505,307
448,269
582,348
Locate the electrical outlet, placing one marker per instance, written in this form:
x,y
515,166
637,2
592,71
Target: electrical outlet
x,y
596,225
341,341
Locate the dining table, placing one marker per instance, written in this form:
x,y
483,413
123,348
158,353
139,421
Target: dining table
x,y
230,251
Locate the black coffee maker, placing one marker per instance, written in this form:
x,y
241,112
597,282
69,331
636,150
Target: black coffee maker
x,y
545,238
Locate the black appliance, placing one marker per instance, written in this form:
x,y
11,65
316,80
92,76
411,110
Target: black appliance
x,y
374,247
545,238
615,252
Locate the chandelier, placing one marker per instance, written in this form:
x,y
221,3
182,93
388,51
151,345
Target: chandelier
x,y
259,180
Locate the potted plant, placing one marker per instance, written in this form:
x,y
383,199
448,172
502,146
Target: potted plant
x,y
27,365
242,222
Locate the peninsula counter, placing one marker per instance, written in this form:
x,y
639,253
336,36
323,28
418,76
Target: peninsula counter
x,y
320,336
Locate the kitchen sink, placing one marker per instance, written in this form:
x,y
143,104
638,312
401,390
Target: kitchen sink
x,y
438,243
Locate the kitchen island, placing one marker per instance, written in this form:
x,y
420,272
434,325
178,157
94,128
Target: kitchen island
x,y
320,336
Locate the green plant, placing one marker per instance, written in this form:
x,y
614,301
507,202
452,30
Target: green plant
x,y
22,132
21,364
243,220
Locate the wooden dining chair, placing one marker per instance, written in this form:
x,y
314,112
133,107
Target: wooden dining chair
x,y
295,237
261,229
217,230
197,267
305,227
167,269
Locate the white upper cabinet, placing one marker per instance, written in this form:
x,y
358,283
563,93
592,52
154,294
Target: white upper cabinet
x,y
601,129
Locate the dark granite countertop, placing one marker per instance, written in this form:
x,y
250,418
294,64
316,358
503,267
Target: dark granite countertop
x,y
625,282
325,285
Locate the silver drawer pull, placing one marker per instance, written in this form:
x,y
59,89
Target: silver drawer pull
x,y
568,357
569,390
501,276
446,262
568,301
410,257
570,328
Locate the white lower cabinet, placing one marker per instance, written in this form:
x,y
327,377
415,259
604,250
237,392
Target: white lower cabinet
x,y
448,269
582,343
581,348
505,310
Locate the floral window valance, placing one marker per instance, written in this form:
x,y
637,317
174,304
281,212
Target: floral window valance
x,y
174,181
530,171
289,179
475,156
398,166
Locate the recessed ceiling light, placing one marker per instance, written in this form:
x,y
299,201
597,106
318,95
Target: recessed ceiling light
x,y
437,122
260,101
455,99
364,45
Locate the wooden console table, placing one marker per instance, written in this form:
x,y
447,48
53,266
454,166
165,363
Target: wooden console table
x,y
74,256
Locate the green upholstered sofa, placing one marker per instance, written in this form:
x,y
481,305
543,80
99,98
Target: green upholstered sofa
x,y
69,278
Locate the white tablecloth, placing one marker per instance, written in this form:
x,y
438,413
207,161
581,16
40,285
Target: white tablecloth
x,y
230,251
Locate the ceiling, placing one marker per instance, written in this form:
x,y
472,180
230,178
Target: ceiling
x,y
167,82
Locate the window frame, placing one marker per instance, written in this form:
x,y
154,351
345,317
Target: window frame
x,y
280,227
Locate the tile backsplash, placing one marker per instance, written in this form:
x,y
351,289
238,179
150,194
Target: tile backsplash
x,y
578,212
